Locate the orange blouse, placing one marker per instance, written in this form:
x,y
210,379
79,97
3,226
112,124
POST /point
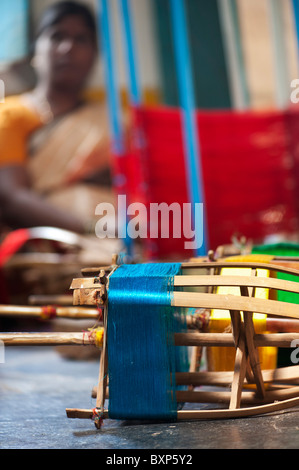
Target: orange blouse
x,y
17,122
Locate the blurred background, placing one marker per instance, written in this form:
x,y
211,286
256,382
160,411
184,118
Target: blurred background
x,y
267,50
244,57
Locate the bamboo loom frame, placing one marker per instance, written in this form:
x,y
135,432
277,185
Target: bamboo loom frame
x,y
273,390
282,390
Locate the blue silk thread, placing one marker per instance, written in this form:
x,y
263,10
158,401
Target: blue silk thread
x,y
142,357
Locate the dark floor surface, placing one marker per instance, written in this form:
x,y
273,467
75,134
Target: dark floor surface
x,y
38,384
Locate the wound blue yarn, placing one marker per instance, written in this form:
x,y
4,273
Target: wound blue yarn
x,y
142,357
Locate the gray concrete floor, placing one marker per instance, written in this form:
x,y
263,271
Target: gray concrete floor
x,y
37,384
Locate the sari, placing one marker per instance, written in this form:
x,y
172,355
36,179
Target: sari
x,y
68,159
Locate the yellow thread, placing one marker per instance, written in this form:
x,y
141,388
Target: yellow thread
x,y
222,358
97,336
254,258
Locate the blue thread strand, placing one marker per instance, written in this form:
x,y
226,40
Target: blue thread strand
x,y
186,91
142,357
129,41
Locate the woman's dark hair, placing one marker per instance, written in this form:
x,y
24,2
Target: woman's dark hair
x,y
58,11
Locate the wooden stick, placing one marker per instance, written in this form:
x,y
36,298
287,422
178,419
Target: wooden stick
x,y
193,322
253,354
272,324
181,339
49,311
47,339
282,375
31,339
103,373
282,340
282,325
103,377
74,413
285,325
278,340
240,366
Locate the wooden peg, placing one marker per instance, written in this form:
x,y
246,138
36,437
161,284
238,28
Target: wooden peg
x,y
103,277
114,259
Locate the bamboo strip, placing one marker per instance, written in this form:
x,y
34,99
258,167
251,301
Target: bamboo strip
x,y
234,302
226,397
273,266
279,264
186,415
209,280
246,281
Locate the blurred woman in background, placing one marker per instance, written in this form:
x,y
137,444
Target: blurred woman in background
x,y
55,146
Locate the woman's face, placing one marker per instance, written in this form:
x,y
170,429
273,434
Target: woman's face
x,y
65,53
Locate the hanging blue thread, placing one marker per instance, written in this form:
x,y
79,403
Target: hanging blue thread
x,y
142,357
187,98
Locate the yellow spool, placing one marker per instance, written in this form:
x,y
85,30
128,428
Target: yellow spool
x,y
223,358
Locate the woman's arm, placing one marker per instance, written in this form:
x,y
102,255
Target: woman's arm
x,y
21,207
